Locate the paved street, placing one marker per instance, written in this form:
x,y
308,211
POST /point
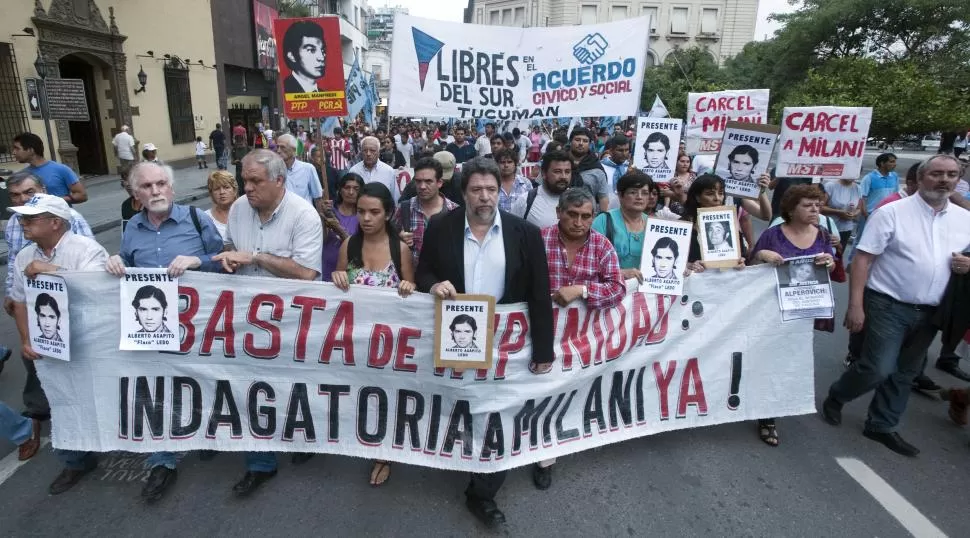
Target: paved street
x,y
717,481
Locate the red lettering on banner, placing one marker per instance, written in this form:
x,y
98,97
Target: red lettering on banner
x,y
185,316
343,322
222,311
481,374
598,337
276,314
659,331
509,346
820,147
574,336
405,350
822,122
710,104
641,320
663,386
618,329
691,380
306,305
381,346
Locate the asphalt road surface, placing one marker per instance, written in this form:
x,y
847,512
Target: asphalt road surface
x,y
715,481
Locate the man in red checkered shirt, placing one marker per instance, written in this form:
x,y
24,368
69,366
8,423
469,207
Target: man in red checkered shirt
x,y
413,214
582,266
340,151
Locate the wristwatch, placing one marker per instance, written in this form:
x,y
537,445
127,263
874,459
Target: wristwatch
x,y
585,293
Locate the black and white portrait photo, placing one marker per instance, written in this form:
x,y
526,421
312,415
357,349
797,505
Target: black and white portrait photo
x,y
305,54
717,235
745,151
666,244
656,151
48,316
464,330
804,289
149,311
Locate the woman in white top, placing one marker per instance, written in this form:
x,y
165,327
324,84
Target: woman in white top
x,y
222,192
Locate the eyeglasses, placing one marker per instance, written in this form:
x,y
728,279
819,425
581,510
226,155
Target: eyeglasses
x,y
27,219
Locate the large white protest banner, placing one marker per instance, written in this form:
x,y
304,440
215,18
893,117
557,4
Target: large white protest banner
x,y
504,73
823,141
308,368
709,113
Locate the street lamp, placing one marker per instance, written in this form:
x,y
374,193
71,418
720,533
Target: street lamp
x,y
142,79
40,65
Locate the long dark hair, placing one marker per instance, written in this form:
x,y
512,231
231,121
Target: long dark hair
x,y
348,177
701,184
355,243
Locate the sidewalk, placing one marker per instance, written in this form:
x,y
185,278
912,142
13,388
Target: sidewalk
x,y
103,208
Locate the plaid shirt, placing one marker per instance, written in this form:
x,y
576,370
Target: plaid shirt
x,y
595,266
337,158
418,222
16,242
520,188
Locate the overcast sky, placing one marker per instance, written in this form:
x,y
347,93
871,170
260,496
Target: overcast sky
x,y
453,10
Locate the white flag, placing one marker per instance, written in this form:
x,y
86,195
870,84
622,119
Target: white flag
x,y
573,123
658,110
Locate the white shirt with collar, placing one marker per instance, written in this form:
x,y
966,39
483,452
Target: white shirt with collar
x,y
293,231
72,253
913,245
483,146
381,173
301,180
485,261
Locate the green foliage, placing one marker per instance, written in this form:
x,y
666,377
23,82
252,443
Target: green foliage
x,y
291,9
902,98
908,59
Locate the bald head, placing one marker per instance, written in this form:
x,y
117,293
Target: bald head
x,y
124,128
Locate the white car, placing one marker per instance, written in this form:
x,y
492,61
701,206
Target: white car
x,y
931,142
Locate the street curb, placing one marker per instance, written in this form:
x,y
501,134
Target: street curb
x,y
107,225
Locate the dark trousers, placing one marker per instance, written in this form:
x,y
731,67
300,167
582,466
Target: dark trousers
x,y
239,178
844,238
893,354
485,486
35,401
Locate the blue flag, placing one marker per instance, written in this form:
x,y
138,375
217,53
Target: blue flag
x,y
356,91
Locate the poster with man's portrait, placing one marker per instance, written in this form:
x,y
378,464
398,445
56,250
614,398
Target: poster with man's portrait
x,y
48,320
149,311
311,67
657,146
464,330
804,289
665,248
717,235
745,151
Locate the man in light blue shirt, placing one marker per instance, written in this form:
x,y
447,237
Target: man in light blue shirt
x,y
301,177
58,179
164,235
879,183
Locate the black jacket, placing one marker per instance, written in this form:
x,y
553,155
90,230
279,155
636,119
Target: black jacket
x,y
526,271
952,315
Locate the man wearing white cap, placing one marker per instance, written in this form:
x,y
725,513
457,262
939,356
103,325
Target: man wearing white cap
x,y
150,153
47,222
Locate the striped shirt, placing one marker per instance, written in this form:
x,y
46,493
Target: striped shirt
x,y
337,158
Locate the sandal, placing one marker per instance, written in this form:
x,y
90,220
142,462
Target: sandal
x,y
768,432
380,473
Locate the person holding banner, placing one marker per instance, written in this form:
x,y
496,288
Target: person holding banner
x,y
165,234
504,257
374,256
47,222
271,233
349,187
904,260
799,235
624,227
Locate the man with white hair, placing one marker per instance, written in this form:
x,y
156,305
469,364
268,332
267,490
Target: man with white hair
x,y
301,178
372,169
271,232
164,235
47,222
21,187
124,145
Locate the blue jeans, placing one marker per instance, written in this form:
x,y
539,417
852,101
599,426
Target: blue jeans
x,y
162,459
263,462
13,426
77,460
893,354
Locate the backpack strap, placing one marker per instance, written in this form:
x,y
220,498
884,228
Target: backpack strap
x,y
609,226
194,213
529,200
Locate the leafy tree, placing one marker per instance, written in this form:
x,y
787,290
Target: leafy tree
x,y
684,71
903,101
290,9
